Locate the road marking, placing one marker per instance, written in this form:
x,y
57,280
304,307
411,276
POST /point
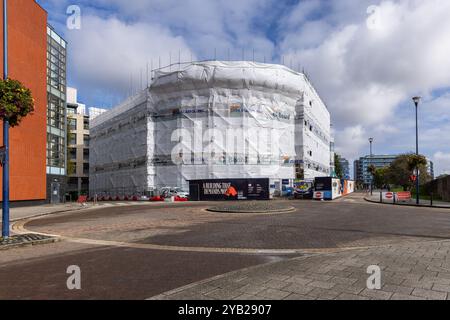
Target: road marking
x,y
19,228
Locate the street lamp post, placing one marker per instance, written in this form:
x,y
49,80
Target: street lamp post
x,y
5,180
416,103
370,163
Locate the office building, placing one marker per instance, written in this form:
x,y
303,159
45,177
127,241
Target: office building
x,y
345,165
430,167
332,155
27,47
362,175
78,119
56,116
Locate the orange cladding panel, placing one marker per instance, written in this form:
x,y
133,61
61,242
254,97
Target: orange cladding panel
x,y
27,62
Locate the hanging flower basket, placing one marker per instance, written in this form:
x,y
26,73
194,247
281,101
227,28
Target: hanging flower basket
x,y
16,101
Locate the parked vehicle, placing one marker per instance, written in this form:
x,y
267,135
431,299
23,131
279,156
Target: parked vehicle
x,y
168,192
143,198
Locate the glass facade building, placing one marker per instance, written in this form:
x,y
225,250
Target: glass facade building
x,y
361,167
345,165
56,115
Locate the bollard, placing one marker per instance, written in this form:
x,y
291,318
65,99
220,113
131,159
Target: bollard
x,y
381,197
431,199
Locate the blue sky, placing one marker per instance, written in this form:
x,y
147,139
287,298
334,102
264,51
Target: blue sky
x,y
366,57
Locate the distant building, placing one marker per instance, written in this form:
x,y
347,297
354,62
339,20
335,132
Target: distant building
x,y
332,153
78,120
357,172
345,165
361,167
56,116
431,169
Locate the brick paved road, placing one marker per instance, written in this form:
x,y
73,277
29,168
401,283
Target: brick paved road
x,y
410,271
129,267
349,222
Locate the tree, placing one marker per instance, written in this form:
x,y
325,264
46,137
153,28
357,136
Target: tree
x,y
338,167
416,161
401,170
372,169
380,177
16,101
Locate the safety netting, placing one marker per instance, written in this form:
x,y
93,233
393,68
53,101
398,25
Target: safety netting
x,y
212,120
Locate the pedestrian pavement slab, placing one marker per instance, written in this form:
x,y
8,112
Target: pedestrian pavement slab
x,y
423,203
304,283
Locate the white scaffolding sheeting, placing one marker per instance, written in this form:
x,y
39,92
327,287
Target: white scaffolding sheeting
x,y
211,120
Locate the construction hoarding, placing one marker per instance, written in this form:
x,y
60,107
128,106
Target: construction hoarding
x,y
229,189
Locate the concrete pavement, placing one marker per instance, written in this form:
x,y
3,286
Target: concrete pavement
x,y
414,271
36,211
33,211
142,251
425,203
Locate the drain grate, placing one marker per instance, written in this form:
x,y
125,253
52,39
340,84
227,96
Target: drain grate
x,y
24,239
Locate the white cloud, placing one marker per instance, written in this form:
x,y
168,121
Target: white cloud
x,y
350,141
208,26
105,53
443,161
365,74
119,37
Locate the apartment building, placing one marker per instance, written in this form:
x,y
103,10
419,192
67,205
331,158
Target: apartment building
x,y
78,119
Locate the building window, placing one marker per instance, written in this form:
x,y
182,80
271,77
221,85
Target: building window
x,y
86,155
72,124
72,139
72,154
86,140
86,169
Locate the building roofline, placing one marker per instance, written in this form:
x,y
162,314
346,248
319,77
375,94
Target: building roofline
x,y
54,30
37,3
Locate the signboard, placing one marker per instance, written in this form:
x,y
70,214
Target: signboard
x,y
229,189
404,196
329,187
348,187
388,195
318,195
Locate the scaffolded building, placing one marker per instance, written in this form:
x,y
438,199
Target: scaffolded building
x,y
212,120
